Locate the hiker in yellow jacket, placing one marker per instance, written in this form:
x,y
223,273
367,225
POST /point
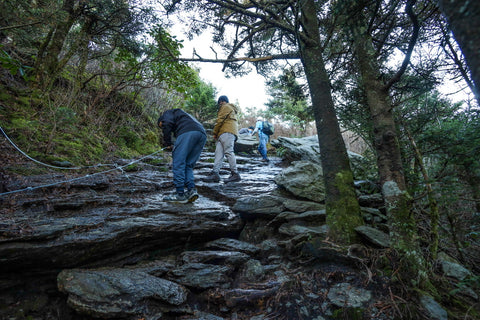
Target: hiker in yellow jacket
x,y
225,133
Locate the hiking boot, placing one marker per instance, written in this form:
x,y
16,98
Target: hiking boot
x,y
212,177
176,198
233,177
191,195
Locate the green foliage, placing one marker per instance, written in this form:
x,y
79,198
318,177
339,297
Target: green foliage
x,y
470,282
65,116
458,137
163,63
107,78
132,168
289,99
352,110
14,66
349,313
200,101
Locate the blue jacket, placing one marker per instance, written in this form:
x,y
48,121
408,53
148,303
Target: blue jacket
x,y
259,128
177,121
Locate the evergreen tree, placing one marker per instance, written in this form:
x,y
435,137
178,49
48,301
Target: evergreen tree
x,y
289,100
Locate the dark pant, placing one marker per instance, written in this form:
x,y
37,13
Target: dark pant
x,y
186,152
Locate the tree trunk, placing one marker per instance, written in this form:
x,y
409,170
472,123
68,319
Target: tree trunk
x,y
432,201
403,230
343,210
463,19
474,182
47,62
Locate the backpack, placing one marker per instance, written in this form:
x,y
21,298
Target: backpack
x,y
267,128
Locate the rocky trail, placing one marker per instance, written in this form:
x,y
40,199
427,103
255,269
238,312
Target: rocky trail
x,y
108,247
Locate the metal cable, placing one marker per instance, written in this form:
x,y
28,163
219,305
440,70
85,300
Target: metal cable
x,y
71,168
79,178
46,164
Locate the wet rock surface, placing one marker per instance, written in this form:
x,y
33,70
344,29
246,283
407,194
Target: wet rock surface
x,y
108,247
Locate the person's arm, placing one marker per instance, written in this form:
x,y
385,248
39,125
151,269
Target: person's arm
x,y
222,115
167,128
257,127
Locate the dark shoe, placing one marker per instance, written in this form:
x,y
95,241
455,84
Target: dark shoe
x,y
233,177
212,177
191,195
266,160
176,198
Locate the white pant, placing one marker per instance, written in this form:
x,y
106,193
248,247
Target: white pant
x,y
224,147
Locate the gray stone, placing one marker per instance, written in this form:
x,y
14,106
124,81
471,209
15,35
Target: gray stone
x,y
307,149
434,310
303,179
110,293
253,270
214,257
346,295
454,270
302,206
198,315
308,217
202,276
245,143
229,244
259,207
374,236
293,230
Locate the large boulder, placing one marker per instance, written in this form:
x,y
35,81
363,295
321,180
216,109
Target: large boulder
x,y
295,149
308,149
119,293
303,179
245,143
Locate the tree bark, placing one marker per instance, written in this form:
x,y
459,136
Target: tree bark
x,y
343,210
432,201
403,230
463,17
47,62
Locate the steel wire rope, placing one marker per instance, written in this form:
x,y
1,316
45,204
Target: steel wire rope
x,y
83,177
73,179
46,164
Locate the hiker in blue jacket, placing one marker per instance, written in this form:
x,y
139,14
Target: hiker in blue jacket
x,y
190,140
262,139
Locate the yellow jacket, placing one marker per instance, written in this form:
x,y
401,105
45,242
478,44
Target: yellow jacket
x,y
226,120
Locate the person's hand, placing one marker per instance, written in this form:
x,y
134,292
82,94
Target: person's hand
x,y
169,148
214,137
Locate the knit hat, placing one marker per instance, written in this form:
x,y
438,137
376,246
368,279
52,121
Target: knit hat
x,y
222,98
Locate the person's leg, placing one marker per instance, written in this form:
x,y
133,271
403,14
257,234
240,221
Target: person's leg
x,y
179,155
228,141
265,141
219,153
262,146
178,168
196,142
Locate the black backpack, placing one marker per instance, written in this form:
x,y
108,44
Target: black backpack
x,y
267,128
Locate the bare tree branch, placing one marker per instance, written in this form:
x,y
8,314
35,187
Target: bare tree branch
x,y
249,59
20,25
411,44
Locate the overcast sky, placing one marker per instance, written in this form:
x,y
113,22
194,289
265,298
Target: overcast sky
x,y
247,91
